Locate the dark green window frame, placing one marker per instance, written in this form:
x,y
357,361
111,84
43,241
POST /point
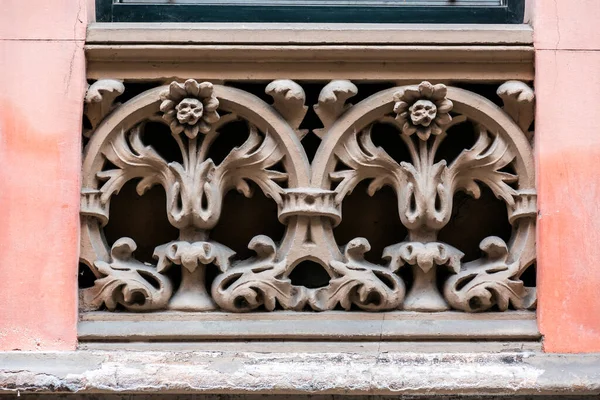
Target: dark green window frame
x,y
365,11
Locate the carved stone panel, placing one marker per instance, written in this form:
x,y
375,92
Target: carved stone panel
x,y
429,148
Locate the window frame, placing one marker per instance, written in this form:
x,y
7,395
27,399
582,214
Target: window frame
x,y
512,12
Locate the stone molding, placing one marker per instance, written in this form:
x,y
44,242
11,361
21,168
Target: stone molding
x,y
310,33
231,371
309,197
400,63
404,53
284,325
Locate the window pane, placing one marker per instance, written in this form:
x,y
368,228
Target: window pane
x,y
328,2
320,11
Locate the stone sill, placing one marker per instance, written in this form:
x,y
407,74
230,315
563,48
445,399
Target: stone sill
x,y
290,33
235,370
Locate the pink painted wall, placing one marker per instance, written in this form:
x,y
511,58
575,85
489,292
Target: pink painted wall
x,y
567,84
42,84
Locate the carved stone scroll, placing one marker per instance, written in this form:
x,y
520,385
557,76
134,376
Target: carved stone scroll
x,y
332,103
127,282
289,100
518,101
492,280
309,198
99,100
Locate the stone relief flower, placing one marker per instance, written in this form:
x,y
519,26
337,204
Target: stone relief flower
x,y
190,107
423,109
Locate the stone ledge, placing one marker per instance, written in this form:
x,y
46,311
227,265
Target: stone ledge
x,y
260,51
240,372
309,33
442,63
285,325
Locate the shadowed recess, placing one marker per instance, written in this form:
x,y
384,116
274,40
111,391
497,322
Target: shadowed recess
x,y
529,276
460,137
231,135
159,137
85,276
243,218
142,218
388,137
474,220
374,218
309,274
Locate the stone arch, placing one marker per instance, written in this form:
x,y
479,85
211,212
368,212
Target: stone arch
x,y
146,106
462,289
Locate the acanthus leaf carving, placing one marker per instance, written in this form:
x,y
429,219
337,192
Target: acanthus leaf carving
x,y
193,257
365,161
197,181
258,281
425,187
492,280
423,255
424,259
368,286
195,186
133,159
252,161
484,163
128,282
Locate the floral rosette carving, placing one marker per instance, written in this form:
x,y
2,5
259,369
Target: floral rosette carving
x,y
190,107
423,109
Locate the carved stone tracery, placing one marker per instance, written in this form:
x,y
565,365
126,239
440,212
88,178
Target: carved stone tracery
x,y
309,197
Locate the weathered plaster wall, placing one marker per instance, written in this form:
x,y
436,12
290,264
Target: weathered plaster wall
x,y
42,83
567,83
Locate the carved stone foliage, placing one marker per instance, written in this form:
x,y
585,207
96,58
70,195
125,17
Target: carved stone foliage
x,y
422,272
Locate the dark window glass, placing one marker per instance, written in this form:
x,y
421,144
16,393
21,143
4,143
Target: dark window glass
x,y
374,11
